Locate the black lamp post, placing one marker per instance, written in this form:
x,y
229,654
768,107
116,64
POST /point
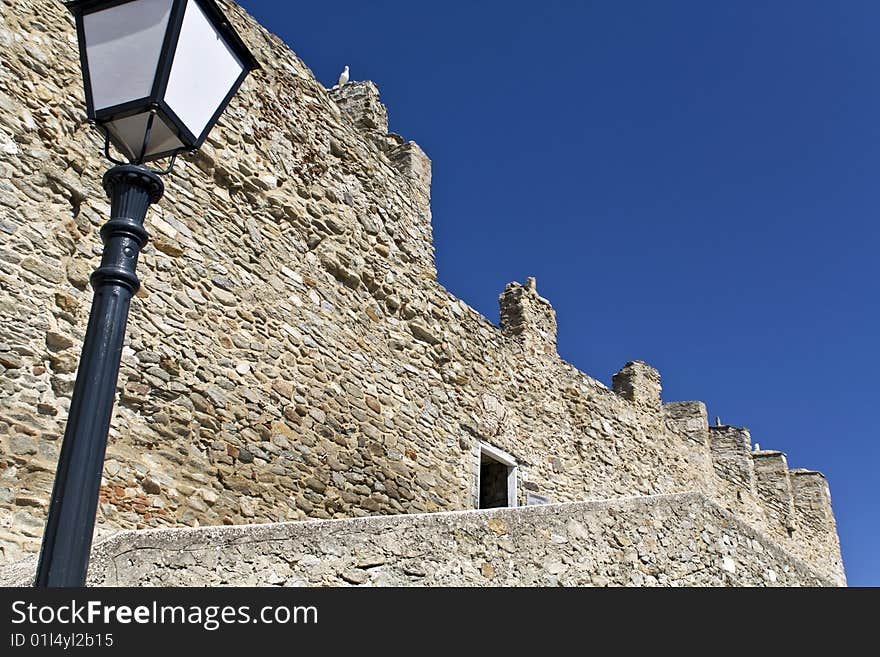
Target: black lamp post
x,y
157,74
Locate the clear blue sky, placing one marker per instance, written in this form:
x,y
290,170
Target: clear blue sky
x,y
694,184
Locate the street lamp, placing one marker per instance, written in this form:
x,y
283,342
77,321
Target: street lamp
x,y
157,75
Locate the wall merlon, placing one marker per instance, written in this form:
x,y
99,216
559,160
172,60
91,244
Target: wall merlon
x,y
639,383
774,487
689,418
816,529
528,317
732,455
415,165
417,238
812,496
359,100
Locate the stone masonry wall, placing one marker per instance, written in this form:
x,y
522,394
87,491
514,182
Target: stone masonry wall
x,y
290,354
674,540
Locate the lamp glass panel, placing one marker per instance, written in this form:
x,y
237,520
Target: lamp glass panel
x,y
130,131
162,139
203,72
123,44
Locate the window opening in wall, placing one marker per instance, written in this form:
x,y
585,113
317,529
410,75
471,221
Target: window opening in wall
x,y
497,478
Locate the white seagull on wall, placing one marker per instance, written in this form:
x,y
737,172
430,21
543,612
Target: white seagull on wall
x,y
343,77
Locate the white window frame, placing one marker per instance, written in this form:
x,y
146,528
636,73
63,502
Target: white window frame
x,y
512,474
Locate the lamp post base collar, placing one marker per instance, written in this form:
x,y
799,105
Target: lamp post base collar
x,y
134,175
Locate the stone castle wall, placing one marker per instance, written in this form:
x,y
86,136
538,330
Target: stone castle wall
x,y
291,354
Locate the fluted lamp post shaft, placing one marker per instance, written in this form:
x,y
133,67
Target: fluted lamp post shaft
x,y
68,537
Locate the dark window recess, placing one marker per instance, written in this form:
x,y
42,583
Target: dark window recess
x,y
493,483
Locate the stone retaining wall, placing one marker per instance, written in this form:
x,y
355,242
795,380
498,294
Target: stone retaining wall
x,y
671,540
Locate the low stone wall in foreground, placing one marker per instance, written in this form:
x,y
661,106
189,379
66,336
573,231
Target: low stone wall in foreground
x,y
663,540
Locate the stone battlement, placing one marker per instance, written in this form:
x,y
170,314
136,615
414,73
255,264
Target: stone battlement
x,y
291,356
528,317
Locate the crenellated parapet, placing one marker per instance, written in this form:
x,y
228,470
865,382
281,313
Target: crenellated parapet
x,y
793,506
